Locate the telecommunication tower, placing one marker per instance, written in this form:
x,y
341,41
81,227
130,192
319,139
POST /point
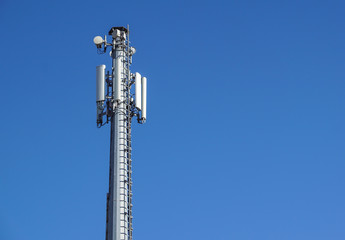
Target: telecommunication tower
x,y
118,105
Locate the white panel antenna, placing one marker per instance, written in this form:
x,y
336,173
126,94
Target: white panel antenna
x,y
100,83
118,74
138,91
143,97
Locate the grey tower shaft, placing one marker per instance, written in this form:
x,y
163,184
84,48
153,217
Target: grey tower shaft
x,y
119,200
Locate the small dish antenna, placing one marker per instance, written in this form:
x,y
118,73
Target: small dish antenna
x,y
98,40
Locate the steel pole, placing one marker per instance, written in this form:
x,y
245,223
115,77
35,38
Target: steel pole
x,y
119,177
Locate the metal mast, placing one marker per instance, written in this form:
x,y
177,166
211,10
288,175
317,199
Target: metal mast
x,y
118,107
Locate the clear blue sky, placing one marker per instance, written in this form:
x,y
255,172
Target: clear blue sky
x,y
245,132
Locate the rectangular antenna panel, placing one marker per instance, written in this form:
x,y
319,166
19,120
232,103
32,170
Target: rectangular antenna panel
x,y
143,97
118,75
100,83
138,91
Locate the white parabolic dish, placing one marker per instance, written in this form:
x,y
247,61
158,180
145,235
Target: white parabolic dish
x,y
98,40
